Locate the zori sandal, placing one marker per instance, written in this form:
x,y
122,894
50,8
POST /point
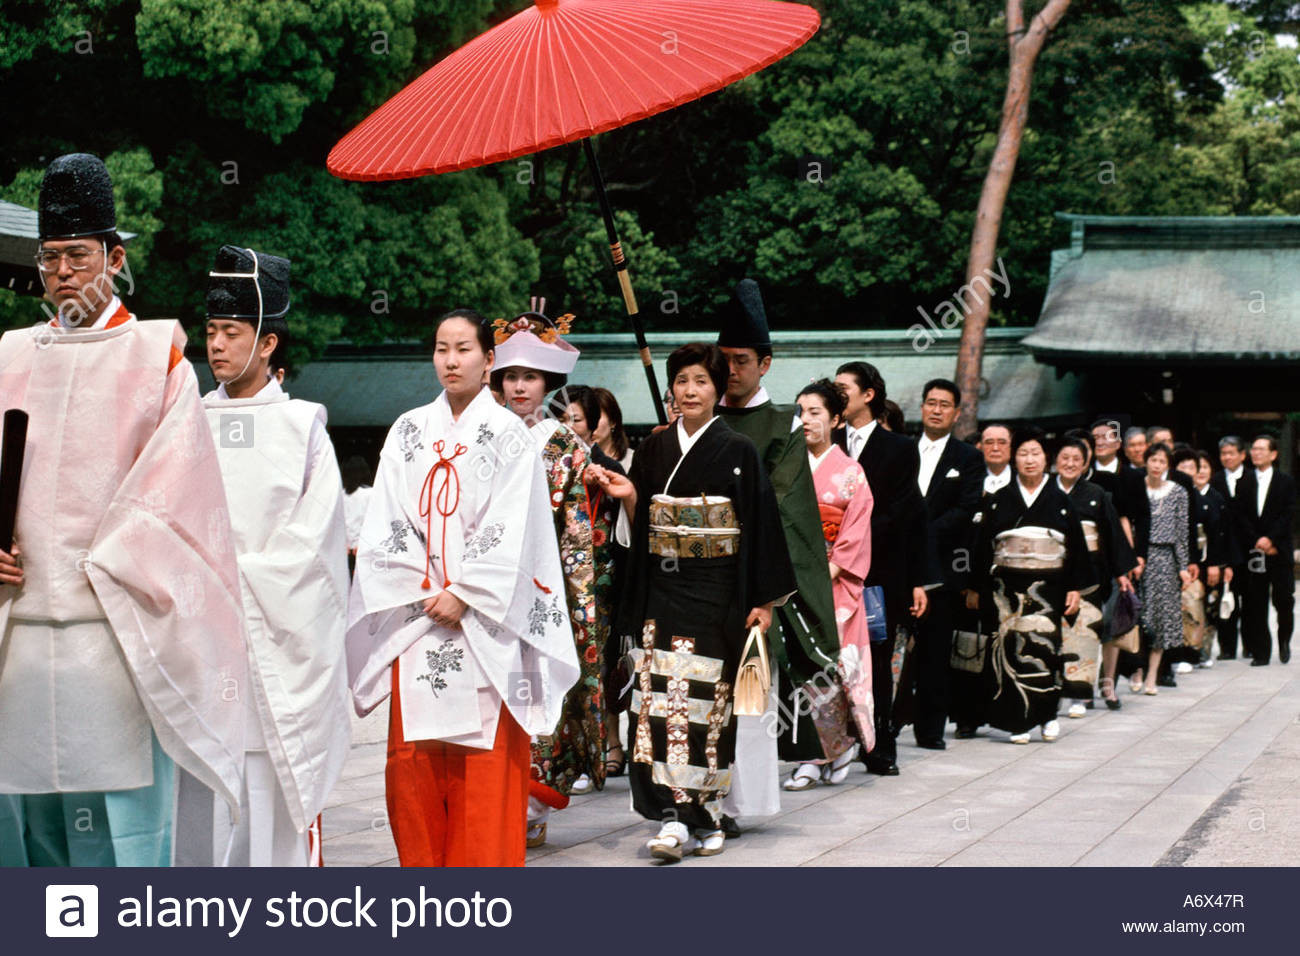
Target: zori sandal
x,y
670,842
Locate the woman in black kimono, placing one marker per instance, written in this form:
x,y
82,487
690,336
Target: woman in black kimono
x,y
1221,551
1111,559
708,560
1207,548
1031,562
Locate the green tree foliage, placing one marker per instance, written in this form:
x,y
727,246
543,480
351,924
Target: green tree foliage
x,y
238,103
902,100
593,294
844,178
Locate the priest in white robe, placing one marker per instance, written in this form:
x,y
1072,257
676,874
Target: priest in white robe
x,y
286,508
121,630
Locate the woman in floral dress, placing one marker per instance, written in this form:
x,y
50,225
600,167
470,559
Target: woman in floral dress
x,y
1165,574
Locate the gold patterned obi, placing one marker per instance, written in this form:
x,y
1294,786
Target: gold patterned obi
x,y
693,527
1091,537
1029,549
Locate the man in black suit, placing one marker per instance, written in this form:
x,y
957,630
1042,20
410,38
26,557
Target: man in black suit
x,y
1270,566
1135,446
967,695
1113,469
1106,461
898,533
951,481
1232,456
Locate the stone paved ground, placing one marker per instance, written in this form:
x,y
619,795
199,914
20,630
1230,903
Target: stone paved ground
x,y
1205,774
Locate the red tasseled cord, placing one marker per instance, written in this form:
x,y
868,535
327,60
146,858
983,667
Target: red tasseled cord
x,y
446,499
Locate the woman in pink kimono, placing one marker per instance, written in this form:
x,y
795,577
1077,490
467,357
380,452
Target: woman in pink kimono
x,y
844,500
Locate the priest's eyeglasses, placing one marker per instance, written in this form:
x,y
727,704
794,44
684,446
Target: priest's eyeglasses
x,y
79,257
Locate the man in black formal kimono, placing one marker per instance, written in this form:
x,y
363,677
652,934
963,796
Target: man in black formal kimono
x,y
966,697
1270,567
898,534
951,481
1232,456
995,446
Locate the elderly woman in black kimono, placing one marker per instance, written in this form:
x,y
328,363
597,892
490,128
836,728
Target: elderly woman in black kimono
x,y
1112,559
1031,562
708,561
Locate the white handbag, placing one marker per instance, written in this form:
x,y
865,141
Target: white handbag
x,y
754,679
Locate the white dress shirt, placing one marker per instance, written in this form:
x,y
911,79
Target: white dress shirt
x,y
931,452
1232,477
856,438
1263,478
1113,467
999,481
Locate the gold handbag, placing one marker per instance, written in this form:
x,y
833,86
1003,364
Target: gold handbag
x,y
1193,601
1130,643
754,679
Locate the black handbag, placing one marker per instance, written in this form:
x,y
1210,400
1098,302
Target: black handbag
x,y
618,691
1128,611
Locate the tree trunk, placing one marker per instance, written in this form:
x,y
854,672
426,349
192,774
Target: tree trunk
x,y
1023,49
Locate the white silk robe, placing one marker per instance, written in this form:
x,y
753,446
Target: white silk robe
x,y
486,534
127,548
286,510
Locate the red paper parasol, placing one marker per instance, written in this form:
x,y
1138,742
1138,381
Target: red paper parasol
x,y
563,70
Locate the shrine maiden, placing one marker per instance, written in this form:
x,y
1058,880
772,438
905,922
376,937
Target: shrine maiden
x,y
458,611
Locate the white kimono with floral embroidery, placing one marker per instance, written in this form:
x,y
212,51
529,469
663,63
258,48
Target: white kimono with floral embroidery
x,y
462,505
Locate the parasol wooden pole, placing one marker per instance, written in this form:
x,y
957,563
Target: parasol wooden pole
x,y
625,282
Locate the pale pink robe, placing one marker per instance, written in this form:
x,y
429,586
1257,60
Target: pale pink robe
x,y
844,499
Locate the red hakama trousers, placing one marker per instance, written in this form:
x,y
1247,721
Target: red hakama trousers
x,y
457,806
